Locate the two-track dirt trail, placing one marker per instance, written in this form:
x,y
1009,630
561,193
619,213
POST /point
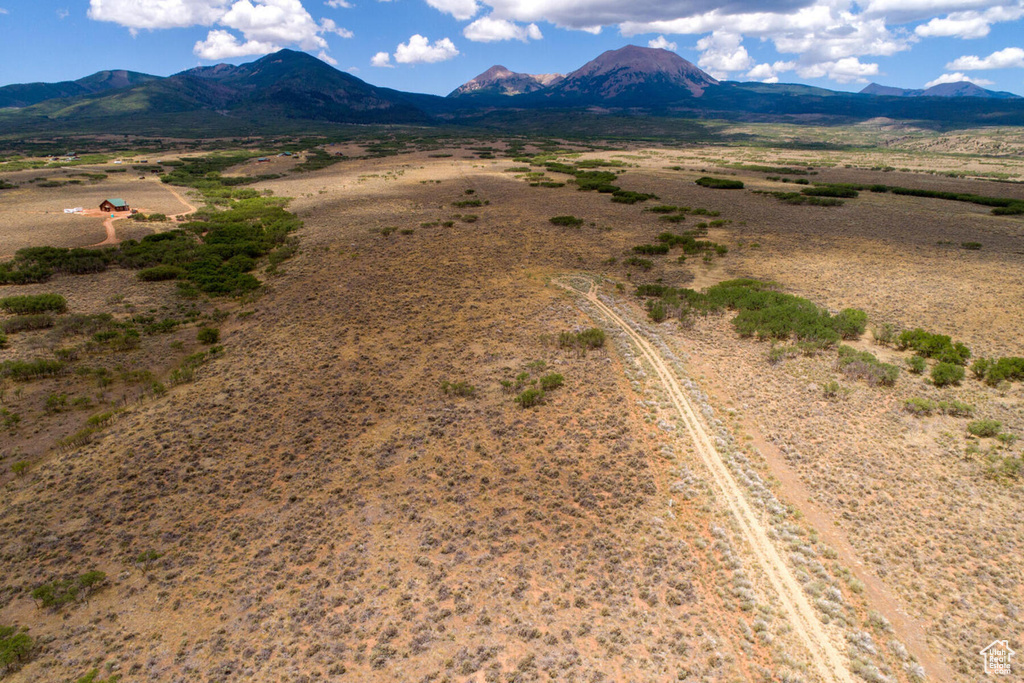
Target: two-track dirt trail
x,y
828,661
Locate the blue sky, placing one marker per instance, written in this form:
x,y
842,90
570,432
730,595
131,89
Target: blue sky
x,y
435,45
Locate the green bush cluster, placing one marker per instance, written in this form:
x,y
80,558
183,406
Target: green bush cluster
x,y
591,338
985,428
26,323
839,191
651,249
996,370
630,197
864,365
938,346
641,263
798,198
568,221
944,374
926,406
530,398
58,593
15,647
24,370
720,183
161,273
689,243
34,303
464,389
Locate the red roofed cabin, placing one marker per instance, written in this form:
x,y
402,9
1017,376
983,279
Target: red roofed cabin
x,y
114,205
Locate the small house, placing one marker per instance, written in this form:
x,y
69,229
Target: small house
x,y
109,205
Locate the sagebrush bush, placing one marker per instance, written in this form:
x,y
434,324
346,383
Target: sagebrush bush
x,y
916,364
551,381
720,183
464,389
851,323
569,221
937,346
208,335
530,398
15,647
59,593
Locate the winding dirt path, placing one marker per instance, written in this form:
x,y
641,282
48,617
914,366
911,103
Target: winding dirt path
x,y
826,658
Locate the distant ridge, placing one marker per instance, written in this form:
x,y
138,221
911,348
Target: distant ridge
x,y
958,89
27,94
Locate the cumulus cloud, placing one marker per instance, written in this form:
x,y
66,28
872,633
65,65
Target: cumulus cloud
x,y
1010,58
419,50
662,43
382,59
489,30
327,58
223,45
460,9
163,14
969,24
958,78
265,25
328,26
769,73
338,4
722,52
845,70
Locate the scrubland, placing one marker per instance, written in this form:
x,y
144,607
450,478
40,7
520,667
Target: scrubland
x,y
311,498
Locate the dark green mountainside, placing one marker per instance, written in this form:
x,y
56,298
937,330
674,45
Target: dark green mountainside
x,y
291,91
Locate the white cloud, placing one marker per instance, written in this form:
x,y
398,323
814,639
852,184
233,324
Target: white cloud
x,y
338,4
4,11
327,58
662,43
1010,58
382,59
460,9
419,50
721,53
958,78
140,14
224,45
62,14
489,30
968,24
845,70
769,73
328,26
275,21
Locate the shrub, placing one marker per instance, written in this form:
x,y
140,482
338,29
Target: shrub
x,y
56,594
984,428
530,398
641,263
551,381
34,303
463,389
1006,369
831,389
944,374
919,406
720,183
630,197
884,333
956,408
15,647
980,367
3,340
916,364
24,323
864,365
1005,469
851,322
656,311
159,273
23,370
651,249
208,335
972,246
937,346
569,221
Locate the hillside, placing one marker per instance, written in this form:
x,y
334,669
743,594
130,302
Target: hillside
x,y
959,89
27,94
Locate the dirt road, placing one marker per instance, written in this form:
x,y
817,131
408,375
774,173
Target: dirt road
x,y
827,660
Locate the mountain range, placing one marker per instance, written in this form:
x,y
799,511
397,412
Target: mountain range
x,y
957,89
290,89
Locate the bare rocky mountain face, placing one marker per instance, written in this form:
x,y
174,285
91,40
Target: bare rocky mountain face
x,y
499,80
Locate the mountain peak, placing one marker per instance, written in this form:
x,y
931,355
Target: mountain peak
x,y
499,80
616,71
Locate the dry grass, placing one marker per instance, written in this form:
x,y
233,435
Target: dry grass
x,y
322,507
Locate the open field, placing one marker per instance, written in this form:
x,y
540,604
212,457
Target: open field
x,y
313,504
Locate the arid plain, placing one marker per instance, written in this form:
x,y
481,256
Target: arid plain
x,y
311,504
